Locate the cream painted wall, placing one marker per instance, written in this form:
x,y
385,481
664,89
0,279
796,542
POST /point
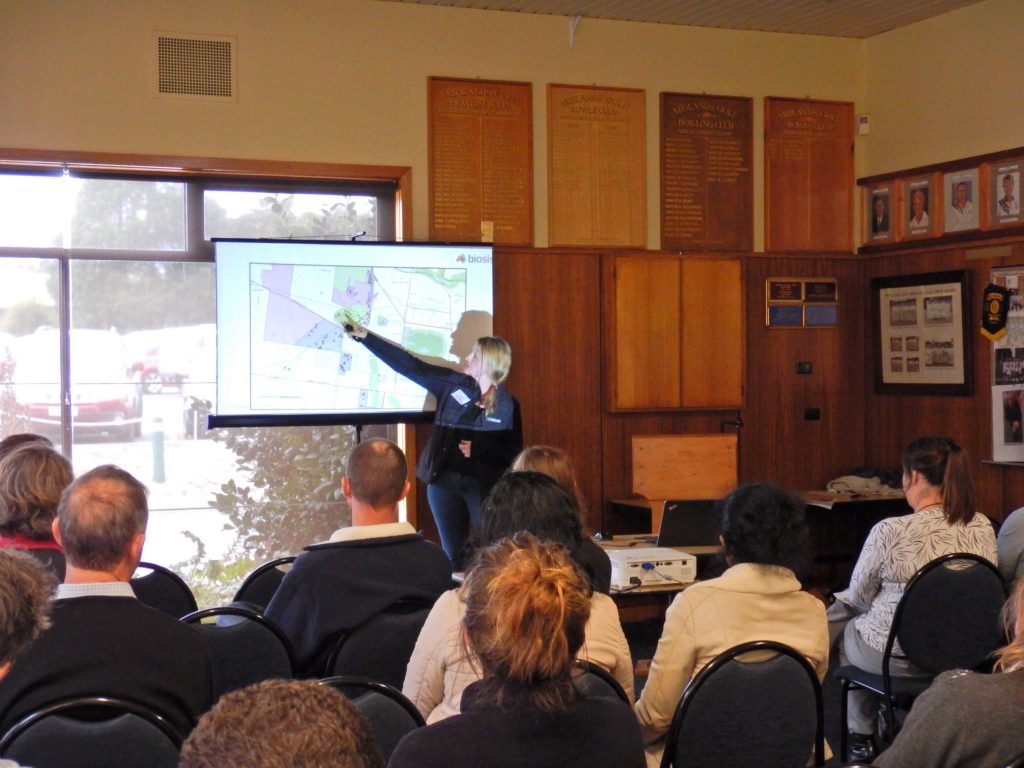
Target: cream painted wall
x,y
345,80
945,88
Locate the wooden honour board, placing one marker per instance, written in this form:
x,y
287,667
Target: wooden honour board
x,y
596,166
480,161
809,175
707,182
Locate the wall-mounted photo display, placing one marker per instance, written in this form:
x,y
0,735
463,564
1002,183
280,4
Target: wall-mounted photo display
x,y
879,208
921,207
1004,192
961,193
1008,370
801,302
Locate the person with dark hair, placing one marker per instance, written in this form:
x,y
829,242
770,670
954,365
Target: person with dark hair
x,y
554,463
527,604
477,430
364,568
938,487
19,439
440,668
282,723
765,541
32,478
102,639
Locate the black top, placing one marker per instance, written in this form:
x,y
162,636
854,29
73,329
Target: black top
x,y
113,646
334,587
497,437
591,733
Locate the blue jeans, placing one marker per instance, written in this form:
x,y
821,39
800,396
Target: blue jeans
x,y
455,503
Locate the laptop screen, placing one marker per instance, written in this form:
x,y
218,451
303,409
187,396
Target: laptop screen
x,y
690,523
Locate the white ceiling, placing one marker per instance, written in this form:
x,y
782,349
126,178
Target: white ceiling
x,y
835,18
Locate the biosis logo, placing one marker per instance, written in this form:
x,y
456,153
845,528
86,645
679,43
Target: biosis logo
x,y
463,258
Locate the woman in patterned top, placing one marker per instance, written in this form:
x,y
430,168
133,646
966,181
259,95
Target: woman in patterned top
x,y
938,488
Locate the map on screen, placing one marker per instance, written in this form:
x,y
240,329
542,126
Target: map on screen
x,y
282,348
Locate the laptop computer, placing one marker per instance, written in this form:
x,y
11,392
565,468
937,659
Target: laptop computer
x,y
690,523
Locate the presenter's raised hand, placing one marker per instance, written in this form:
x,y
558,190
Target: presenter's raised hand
x,y
353,327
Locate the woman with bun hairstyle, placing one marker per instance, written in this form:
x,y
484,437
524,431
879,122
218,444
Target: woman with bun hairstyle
x,y
440,669
526,609
477,430
938,487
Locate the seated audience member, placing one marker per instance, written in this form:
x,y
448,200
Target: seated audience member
x,y
938,487
554,463
102,639
765,541
1010,546
19,439
334,587
280,723
440,669
966,719
526,608
32,478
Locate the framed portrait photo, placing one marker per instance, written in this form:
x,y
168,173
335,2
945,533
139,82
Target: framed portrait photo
x,y
1004,192
962,197
920,343
879,213
920,209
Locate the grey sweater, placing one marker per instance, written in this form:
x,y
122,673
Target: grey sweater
x,y
964,720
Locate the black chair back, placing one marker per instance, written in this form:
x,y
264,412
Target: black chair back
x,y
245,647
92,732
593,680
1017,762
756,713
165,590
260,585
380,648
390,714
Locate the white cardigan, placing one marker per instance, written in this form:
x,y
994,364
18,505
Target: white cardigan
x,y
439,670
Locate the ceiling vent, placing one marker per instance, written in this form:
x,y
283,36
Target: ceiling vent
x,y
196,66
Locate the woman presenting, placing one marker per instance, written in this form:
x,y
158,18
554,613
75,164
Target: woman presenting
x,y
477,430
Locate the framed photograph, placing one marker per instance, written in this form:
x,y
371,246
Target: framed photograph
x,y
879,213
920,344
1007,427
961,192
1004,193
920,207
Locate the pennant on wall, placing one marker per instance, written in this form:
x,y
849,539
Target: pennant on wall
x,y
993,312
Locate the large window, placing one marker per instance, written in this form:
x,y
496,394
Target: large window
x,y
107,346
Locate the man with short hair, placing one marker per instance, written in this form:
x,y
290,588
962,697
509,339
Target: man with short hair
x,y
103,641
335,586
282,722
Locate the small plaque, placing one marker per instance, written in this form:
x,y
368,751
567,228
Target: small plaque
x,y
821,314
820,291
785,290
785,316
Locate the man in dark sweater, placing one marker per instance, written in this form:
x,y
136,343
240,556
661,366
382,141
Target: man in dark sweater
x,y
102,640
335,586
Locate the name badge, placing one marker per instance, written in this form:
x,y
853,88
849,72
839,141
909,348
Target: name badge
x,y
460,397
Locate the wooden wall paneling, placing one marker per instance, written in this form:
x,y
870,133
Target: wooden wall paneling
x,y
777,444
643,336
712,333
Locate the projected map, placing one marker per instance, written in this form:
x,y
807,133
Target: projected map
x,y
301,358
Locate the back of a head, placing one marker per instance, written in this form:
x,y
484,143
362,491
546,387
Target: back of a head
x,y
532,502
527,607
25,590
943,464
32,478
377,472
19,439
100,514
765,525
550,461
1011,656
278,723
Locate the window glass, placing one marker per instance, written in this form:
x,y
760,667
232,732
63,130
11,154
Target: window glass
x,y
128,215
33,210
237,213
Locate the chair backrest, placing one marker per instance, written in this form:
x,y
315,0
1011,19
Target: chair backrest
x,y
948,617
92,732
245,647
165,590
593,680
380,647
390,714
765,713
1017,762
260,585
